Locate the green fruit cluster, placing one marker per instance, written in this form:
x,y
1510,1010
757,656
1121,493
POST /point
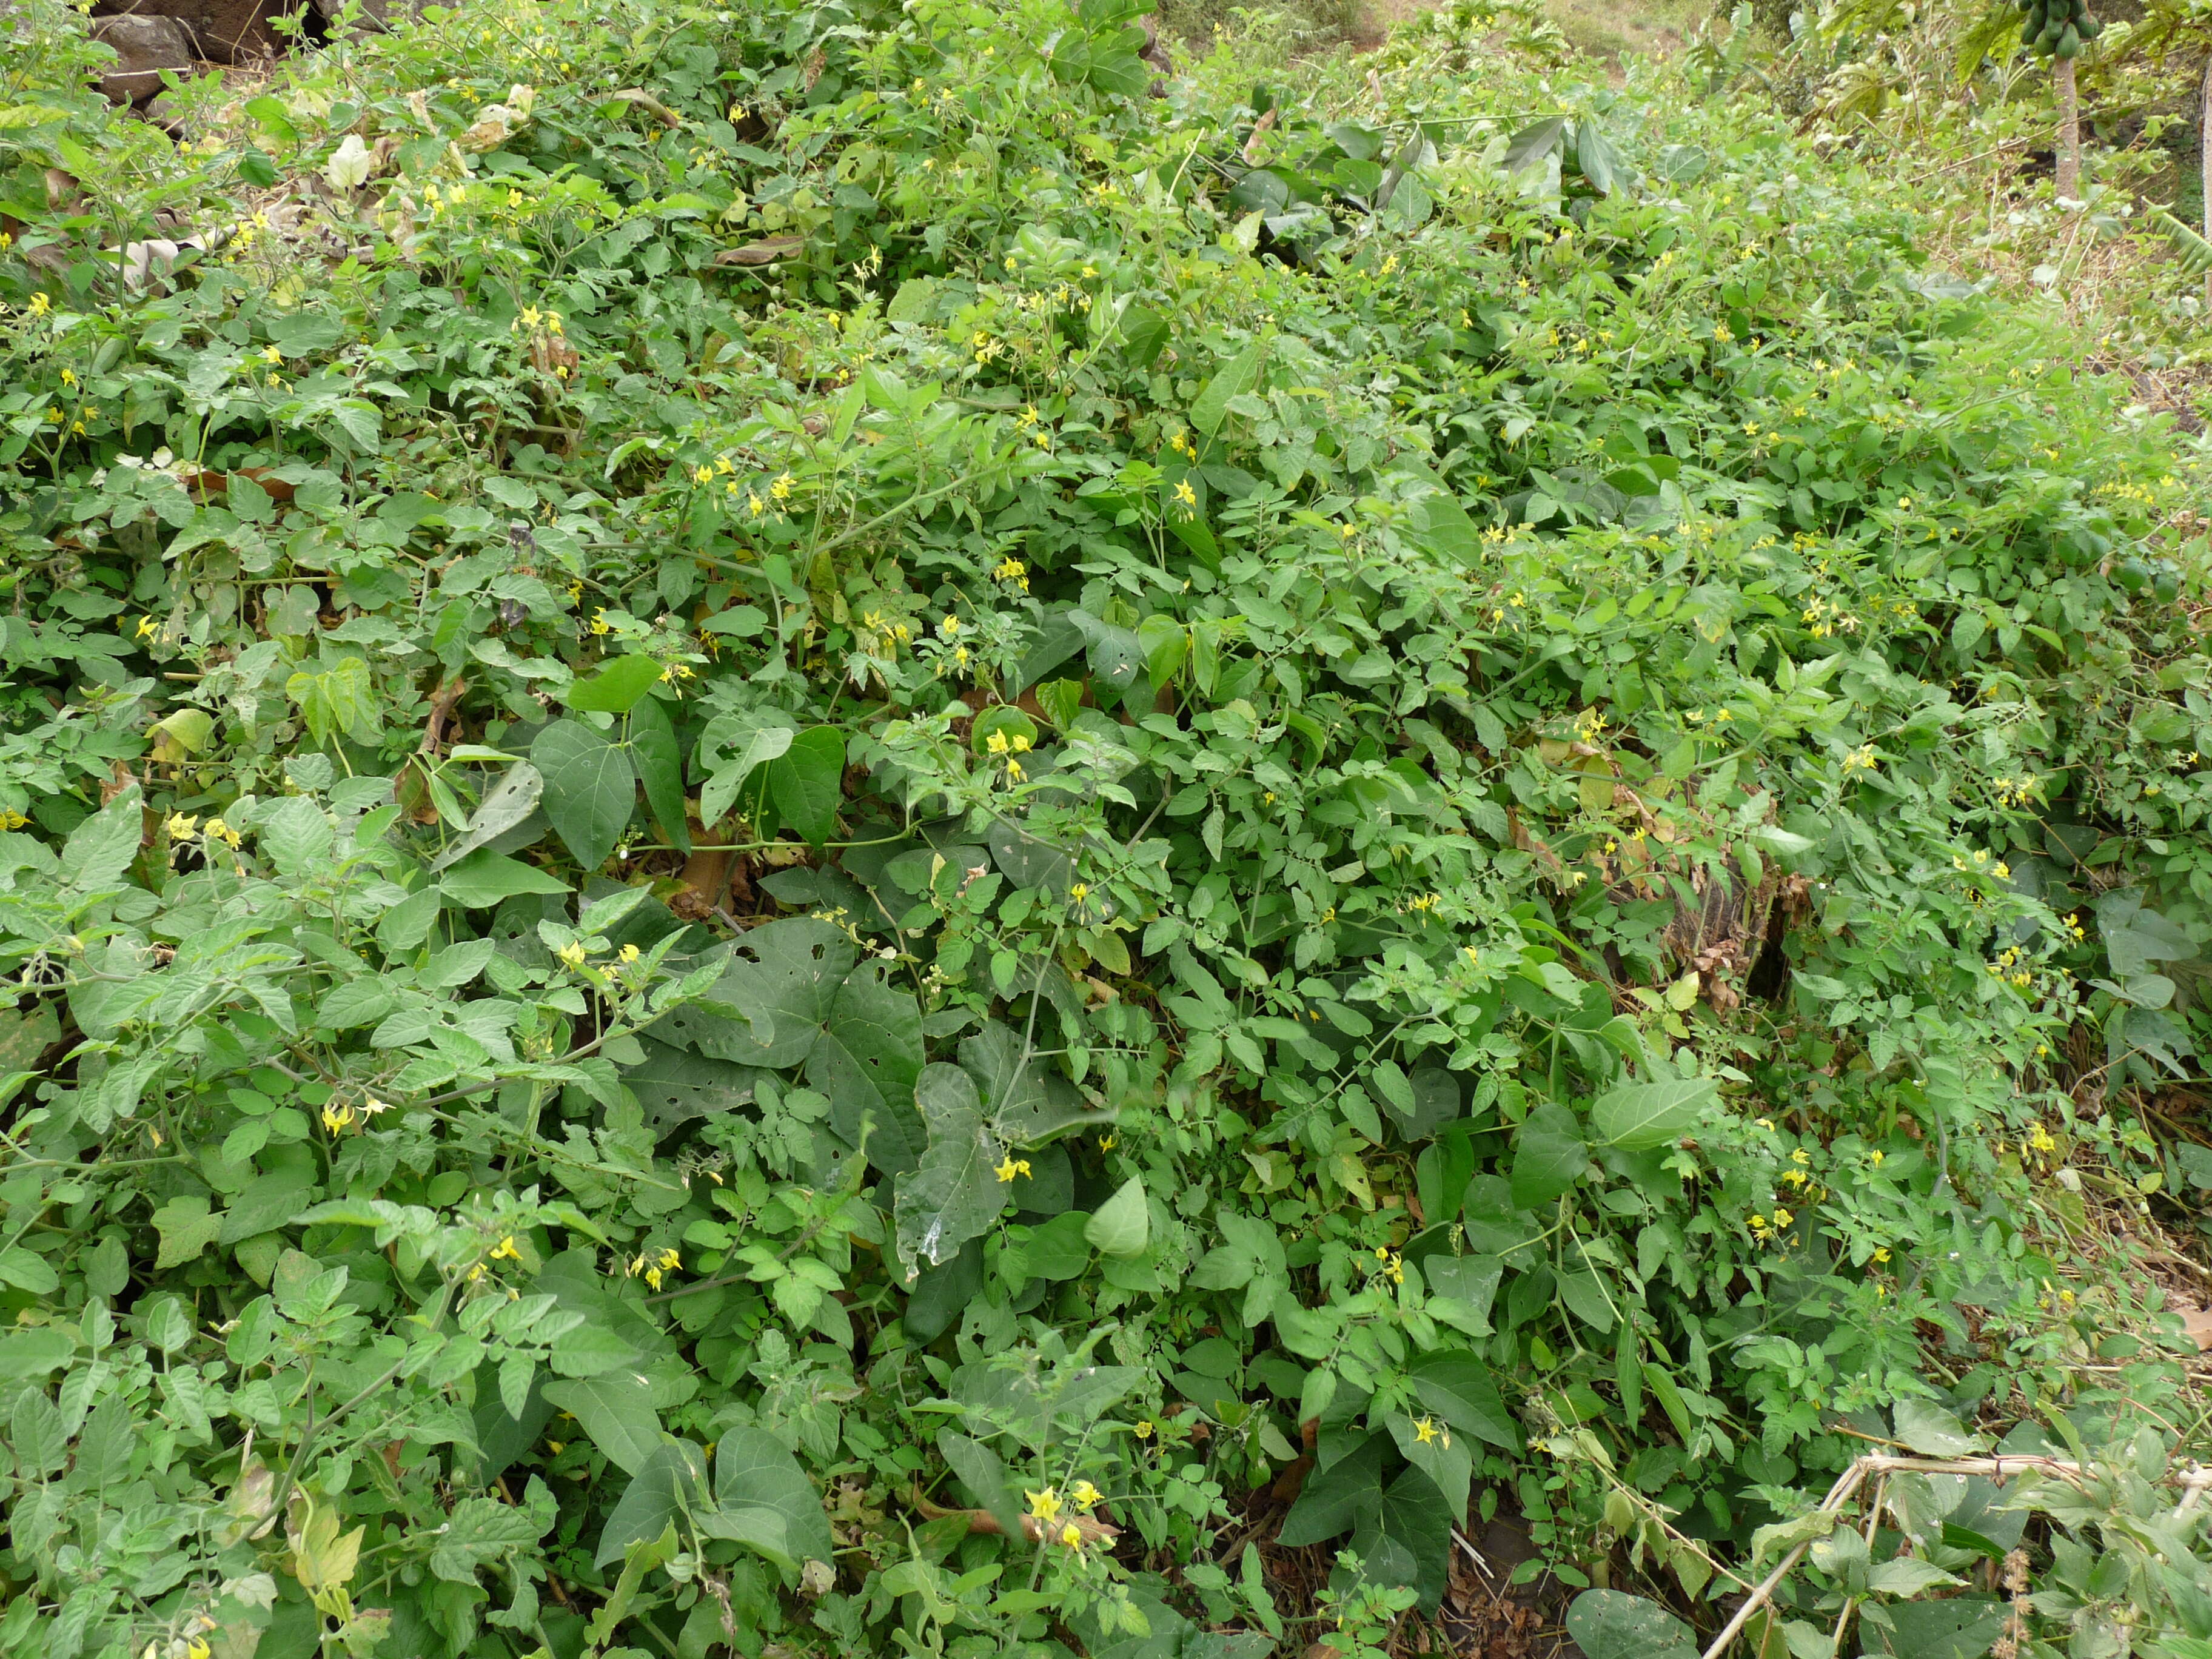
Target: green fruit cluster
x,y
2056,28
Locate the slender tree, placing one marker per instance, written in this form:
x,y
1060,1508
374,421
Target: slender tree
x,y
2058,29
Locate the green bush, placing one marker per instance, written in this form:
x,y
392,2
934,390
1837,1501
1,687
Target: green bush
x,y
815,822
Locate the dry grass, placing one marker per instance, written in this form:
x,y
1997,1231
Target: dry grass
x,y
1610,30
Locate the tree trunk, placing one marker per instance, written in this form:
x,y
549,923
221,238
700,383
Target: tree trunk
x,y
2204,163
2070,131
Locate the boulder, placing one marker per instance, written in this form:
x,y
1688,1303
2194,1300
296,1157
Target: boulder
x,y
221,31
144,47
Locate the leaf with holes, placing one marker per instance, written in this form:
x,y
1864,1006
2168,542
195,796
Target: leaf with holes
x,y
955,1194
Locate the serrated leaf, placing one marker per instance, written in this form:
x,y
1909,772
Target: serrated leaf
x,y
185,1230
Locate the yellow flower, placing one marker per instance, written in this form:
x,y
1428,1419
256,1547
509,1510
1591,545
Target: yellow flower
x,y
600,623
1083,1494
1079,892
1424,1431
336,1118
1072,1536
504,1251
1045,1505
218,830
1185,494
1014,772
11,820
573,954
1011,1167
1782,1218
996,743
196,1648
1144,1430
271,354
182,827
702,475
40,305
781,488
1881,1255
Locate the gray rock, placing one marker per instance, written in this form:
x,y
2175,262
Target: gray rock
x,y
144,47
221,31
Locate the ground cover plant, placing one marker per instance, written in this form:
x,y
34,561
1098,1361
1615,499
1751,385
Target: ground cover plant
x,y
819,837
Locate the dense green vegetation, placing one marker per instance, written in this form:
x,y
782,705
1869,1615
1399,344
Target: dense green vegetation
x,y
821,839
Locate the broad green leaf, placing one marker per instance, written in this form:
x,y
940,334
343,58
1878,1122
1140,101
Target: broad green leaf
x,y
297,835
1457,1387
1333,1499
1609,1624
730,748
185,1229
618,688
1408,1538
1239,375
669,1484
482,1532
774,998
1931,1430
616,1409
1026,1102
1470,1282
675,1085
955,1194
589,1350
1533,143
1637,1115
505,806
806,781
27,1270
1122,1225
1907,1575
867,1058
1431,1446
753,1469
1549,1156
591,788
267,1201
984,1474
658,758
485,878
763,1531
99,850
27,1355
